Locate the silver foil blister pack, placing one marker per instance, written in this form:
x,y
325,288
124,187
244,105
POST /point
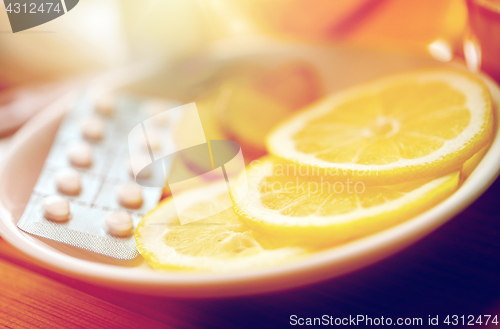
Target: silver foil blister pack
x,y
110,168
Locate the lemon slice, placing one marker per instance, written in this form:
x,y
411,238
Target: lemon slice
x,y
219,243
405,127
319,212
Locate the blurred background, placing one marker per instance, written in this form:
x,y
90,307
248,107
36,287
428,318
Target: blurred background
x,y
323,45
101,34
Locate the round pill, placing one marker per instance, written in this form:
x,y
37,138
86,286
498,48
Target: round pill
x,y
80,154
106,105
130,195
56,208
68,181
92,128
119,223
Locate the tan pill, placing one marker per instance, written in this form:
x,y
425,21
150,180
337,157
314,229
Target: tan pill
x,y
119,223
80,154
92,128
68,181
56,208
130,195
106,105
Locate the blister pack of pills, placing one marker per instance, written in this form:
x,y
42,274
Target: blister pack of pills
x,y
86,195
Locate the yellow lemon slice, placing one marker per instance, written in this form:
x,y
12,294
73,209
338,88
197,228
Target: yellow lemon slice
x,y
405,127
321,211
220,243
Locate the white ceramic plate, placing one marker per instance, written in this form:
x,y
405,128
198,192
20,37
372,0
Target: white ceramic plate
x,y
30,146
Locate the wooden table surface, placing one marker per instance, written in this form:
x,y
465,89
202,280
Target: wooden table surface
x,y
454,270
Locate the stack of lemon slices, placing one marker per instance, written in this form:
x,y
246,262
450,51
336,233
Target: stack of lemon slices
x,y
357,162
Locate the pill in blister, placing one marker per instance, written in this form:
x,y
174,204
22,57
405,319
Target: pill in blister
x,y
80,154
80,220
130,195
68,181
56,208
106,105
92,128
119,223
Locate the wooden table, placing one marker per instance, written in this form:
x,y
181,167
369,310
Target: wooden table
x,y
455,270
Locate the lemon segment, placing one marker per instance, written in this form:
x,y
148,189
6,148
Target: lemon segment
x,y
405,127
321,211
220,243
